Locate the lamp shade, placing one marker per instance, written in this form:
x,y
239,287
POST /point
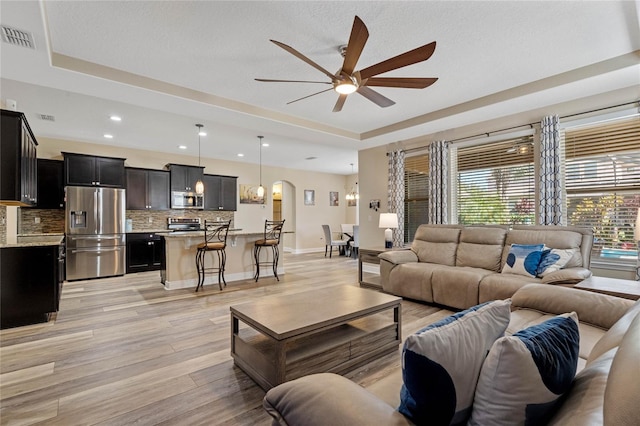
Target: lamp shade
x,y
388,220
636,233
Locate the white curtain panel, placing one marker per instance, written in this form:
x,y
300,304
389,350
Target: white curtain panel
x,y
438,178
551,195
395,202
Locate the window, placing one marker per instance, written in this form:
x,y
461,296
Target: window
x,y
495,182
603,185
416,194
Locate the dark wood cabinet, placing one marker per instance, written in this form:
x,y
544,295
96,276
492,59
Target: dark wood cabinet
x,y
145,252
147,189
184,178
220,192
29,294
88,170
50,184
19,171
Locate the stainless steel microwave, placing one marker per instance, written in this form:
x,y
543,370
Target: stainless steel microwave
x,y
186,200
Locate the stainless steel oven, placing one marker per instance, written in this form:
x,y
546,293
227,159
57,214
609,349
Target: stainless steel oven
x,y
186,200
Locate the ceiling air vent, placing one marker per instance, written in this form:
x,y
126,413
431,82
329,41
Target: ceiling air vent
x,y
46,117
311,158
17,37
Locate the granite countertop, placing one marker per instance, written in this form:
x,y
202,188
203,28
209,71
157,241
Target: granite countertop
x,y
35,240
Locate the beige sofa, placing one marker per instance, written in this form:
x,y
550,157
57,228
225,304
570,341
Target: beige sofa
x,y
460,266
605,391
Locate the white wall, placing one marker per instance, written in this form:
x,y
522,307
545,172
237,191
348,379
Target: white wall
x,y
249,217
372,181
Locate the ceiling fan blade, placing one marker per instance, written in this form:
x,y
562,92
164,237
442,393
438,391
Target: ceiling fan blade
x,y
290,81
408,58
357,40
404,82
308,96
340,103
375,97
299,55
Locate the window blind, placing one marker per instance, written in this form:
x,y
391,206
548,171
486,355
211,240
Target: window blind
x,y
603,185
416,194
495,182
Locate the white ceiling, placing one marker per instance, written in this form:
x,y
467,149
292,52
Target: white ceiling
x,y
166,65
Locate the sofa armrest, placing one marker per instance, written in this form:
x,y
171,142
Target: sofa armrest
x,y
328,399
399,256
597,309
567,276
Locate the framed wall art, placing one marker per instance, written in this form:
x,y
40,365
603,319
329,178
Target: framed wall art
x,y
309,197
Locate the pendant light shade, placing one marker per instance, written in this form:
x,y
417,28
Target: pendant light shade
x,y
353,195
199,183
260,188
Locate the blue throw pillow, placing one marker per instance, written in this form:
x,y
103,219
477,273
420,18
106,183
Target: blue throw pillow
x,y
526,374
553,260
441,363
523,259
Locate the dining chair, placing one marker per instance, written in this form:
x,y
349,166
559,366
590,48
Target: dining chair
x,y
355,242
330,242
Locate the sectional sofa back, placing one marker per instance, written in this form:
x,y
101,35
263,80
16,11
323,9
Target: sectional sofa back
x,y
558,237
487,246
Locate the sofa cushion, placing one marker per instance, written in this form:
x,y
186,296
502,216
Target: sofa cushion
x,y
553,260
523,259
441,363
436,244
583,405
616,332
413,280
457,286
621,407
525,374
552,238
481,247
571,275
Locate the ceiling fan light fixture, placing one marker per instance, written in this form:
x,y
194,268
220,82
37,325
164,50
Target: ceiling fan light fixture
x,y
346,87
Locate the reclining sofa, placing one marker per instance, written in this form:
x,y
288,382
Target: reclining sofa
x,y
461,266
605,390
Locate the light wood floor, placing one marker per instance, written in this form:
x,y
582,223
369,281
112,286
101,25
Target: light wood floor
x,y
125,351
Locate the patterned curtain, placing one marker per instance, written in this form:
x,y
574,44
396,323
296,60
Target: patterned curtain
x,y
551,198
438,181
395,202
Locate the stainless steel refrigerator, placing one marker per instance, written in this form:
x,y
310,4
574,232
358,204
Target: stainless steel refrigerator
x,y
94,228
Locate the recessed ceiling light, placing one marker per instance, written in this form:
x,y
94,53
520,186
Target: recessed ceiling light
x,y
202,133
265,144
108,136
182,146
115,118
240,155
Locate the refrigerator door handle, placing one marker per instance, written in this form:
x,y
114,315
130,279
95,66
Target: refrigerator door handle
x,y
97,251
95,210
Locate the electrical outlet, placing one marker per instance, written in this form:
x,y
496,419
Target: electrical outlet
x,y
37,219
150,219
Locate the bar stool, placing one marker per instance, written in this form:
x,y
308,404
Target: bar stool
x,y
272,231
215,239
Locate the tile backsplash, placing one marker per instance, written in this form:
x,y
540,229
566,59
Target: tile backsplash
x,y
3,224
52,221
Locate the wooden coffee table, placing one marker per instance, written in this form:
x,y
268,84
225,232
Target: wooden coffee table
x,y
333,329
615,287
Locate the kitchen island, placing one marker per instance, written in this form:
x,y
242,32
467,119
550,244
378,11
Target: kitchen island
x,y
180,258
31,275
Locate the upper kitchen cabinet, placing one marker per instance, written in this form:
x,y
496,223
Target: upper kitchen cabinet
x,y
220,192
19,171
147,189
50,184
184,178
88,170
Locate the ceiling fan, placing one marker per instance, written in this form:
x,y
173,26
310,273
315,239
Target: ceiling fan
x,y
346,80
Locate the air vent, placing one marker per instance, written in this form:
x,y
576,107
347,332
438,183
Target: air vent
x,y
311,158
46,117
17,37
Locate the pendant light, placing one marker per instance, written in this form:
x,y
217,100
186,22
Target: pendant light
x,y
260,188
353,195
199,183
